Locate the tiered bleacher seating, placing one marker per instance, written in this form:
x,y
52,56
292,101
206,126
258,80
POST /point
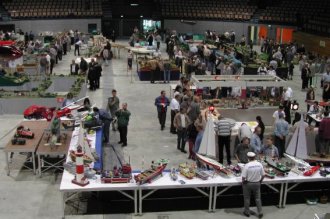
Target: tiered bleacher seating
x,y
287,10
21,9
207,9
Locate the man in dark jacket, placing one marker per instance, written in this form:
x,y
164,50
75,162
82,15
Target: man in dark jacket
x,y
324,134
162,102
98,74
74,68
123,120
103,116
83,66
305,72
92,75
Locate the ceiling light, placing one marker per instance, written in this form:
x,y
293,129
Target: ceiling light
x,y
134,4
121,15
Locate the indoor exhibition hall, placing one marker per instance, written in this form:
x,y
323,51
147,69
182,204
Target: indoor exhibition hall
x,y
164,109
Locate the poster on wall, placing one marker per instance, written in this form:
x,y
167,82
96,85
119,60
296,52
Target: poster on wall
x,y
322,43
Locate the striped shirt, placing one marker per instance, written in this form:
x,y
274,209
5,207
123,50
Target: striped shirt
x,y
223,127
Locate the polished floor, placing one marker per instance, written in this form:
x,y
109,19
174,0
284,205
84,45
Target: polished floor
x,y
26,196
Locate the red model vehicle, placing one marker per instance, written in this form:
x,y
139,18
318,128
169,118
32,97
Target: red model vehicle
x,y
24,132
311,171
38,112
42,112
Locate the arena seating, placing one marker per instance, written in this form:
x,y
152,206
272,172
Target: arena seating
x,y
237,10
21,9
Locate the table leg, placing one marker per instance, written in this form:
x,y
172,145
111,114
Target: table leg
x,y
63,205
210,199
285,195
281,196
135,202
140,201
34,163
39,165
215,197
7,162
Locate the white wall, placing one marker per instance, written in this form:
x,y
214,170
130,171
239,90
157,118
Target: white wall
x,y
56,25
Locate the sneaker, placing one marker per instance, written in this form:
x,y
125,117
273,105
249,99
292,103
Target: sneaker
x,y
124,145
246,214
120,142
184,151
261,215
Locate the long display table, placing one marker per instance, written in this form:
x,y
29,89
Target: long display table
x,y
212,188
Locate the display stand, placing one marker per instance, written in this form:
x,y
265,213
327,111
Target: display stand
x,y
31,145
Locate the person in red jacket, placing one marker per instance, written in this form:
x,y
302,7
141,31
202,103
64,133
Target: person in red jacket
x,y
324,134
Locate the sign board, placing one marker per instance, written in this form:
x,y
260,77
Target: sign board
x,y
322,43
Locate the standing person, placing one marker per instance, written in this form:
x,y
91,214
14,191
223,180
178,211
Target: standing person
x,y
43,66
194,109
305,72
324,134
252,176
74,68
191,137
113,36
278,112
287,96
262,70
158,39
256,142
244,132
150,39
242,149
291,67
181,123
98,74
113,106
310,96
105,117
175,106
129,59
83,66
77,45
123,119
106,55
167,71
162,102
223,129
92,75
262,127
281,131
199,137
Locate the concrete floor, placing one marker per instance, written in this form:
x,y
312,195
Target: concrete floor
x,y
24,195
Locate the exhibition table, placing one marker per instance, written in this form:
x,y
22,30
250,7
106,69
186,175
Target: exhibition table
x,y
45,150
31,145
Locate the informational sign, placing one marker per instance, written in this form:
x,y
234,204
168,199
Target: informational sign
x,y
322,43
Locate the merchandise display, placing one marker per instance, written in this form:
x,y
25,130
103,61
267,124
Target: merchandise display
x,y
23,132
117,175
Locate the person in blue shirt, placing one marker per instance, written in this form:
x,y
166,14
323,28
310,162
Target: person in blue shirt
x,y
256,142
105,117
281,131
269,150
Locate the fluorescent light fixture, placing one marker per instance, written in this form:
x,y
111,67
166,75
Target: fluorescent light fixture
x,y
121,15
134,4
141,16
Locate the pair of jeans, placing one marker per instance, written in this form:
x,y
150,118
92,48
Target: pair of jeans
x,y
254,189
280,144
167,76
123,134
224,142
182,136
